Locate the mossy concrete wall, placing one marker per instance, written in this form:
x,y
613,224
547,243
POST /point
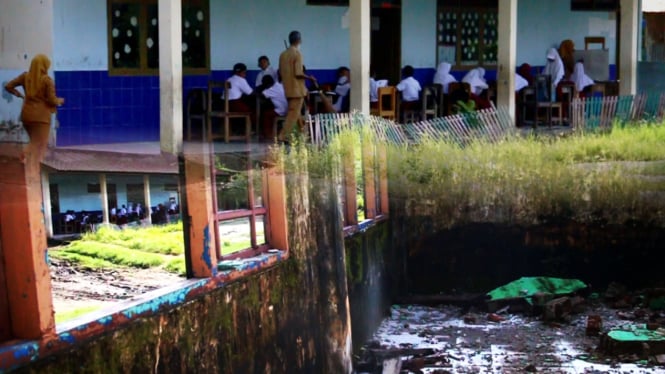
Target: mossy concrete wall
x,y
294,317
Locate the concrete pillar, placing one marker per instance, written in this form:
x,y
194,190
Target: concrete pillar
x,y
23,240
630,11
146,198
359,31
507,55
104,195
170,76
46,197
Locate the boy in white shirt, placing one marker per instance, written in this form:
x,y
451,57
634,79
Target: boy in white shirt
x,y
266,69
410,89
273,91
342,89
240,99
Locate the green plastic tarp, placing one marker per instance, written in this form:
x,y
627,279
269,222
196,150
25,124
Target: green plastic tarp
x,y
526,287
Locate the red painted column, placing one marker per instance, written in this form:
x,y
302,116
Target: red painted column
x,y
23,236
198,191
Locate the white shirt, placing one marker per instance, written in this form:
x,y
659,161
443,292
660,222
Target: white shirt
x,y
443,76
278,98
341,89
239,86
520,82
410,89
554,66
269,71
476,79
580,78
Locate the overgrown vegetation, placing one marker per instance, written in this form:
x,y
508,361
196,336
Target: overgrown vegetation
x,y
613,177
590,178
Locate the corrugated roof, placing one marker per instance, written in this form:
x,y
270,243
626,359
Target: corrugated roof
x,y
71,160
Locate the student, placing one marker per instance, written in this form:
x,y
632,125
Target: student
x,y
554,67
240,90
342,89
273,91
410,89
525,72
443,76
266,69
476,79
581,80
520,82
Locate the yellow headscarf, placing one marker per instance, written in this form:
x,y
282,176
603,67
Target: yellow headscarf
x,y
38,69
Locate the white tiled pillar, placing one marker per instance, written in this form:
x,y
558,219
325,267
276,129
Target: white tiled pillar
x,y
359,31
170,76
630,12
146,198
507,52
104,196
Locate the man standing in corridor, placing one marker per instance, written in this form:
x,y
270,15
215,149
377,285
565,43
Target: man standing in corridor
x,y
293,78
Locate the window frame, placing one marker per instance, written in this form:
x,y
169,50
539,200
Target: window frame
x,y
482,7
143,69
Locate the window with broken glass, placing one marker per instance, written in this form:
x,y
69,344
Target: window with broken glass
x,y
467,33
133,34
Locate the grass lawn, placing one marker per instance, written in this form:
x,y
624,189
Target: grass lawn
x,y
75,313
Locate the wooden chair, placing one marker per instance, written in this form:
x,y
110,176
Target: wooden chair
x,y
597,89
437,89
568,94
196,110
429,103
225,115
387,104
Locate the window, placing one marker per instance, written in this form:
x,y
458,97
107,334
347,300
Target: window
x,y
239,204
133,34
467,33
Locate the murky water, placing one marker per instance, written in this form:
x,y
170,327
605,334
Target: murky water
x,y
467,342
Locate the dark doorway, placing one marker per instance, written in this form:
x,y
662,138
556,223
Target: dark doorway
x,y
55,198
386,54
112,195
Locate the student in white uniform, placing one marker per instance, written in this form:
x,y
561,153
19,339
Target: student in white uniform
x,y
443,76
240,93
342,89
476,79
274,92
520,82
554,67
410,89
582,81
266,69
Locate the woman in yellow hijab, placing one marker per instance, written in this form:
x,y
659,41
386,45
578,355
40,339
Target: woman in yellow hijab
x,y
39,102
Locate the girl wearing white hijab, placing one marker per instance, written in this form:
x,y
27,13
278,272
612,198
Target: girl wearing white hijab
x,y
476,79
443,76
580,78
520,82
554,66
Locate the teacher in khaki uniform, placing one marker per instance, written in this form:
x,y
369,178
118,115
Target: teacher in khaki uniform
x,y
293,78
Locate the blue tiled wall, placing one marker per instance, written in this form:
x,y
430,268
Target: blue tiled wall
x,y
100,108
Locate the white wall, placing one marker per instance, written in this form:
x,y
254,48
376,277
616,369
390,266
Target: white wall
x,y
243,30
544,24
25,30
80,41
419,33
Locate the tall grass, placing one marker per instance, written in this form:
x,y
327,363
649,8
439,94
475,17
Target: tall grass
x,y
524,181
